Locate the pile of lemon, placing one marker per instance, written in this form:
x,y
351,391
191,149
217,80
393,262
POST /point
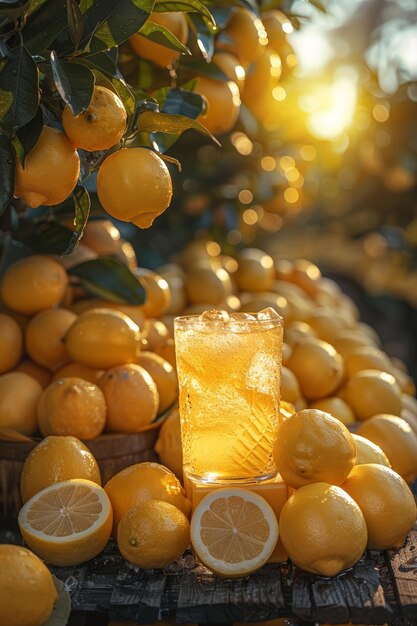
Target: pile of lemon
x,y
80,367
351,488
332,361
68,517
349,491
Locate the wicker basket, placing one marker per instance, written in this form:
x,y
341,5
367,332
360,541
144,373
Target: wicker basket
x,y
113,452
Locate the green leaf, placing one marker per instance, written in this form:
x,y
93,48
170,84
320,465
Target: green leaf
x,y
6,172
75,22
173,160
3,50
82,205
318,4
186,6
75,83
192,68
109,278
43,230
51,114
252,5
124,93
102,63
18,89
160,34
44,236
28,135
183,102
149,76
13,9
151,122
34,5
11,251
176,102
44,26
110,22
203,35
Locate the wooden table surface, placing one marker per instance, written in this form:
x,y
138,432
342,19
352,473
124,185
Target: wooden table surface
x,y
380,588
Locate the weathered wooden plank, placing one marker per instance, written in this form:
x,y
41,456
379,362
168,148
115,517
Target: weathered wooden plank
x,y
381,588
329,600
96,580
364,595
137,595
206,598
355,596
403,566
173,576
72,577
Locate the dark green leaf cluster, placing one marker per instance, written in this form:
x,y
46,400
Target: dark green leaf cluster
x,y
53,52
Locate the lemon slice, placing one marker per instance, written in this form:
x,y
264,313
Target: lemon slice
x,y
67,523
233,531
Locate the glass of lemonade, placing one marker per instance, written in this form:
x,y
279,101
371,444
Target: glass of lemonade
x,y
229,368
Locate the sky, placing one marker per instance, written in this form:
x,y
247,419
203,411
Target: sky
x,y
385,31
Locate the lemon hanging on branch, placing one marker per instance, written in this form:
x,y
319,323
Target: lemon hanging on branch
x,y
100,126
244,36
134,185
162,56
50,171
223,104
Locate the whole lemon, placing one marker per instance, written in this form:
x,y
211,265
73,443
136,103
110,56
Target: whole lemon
x,y
142,482
131,396
43,338
175,22
11,343
164,377
27,590
19,396
398,441
371,391
317,366
369,452
223,104
56,459
153,534
313,446
33,284
53,152
322,529
386,502
100,126
102,338
168,445
72,406
122,174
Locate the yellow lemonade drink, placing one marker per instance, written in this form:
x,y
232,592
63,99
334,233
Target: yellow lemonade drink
x,y
229,378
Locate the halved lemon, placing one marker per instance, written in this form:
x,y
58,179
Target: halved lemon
x,y
67,523
233,531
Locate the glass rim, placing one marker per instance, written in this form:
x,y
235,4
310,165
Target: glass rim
x,y
183,320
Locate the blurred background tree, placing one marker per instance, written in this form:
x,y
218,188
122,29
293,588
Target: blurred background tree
x,y
335,146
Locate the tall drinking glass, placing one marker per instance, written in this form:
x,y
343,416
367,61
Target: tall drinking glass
x,y
229,378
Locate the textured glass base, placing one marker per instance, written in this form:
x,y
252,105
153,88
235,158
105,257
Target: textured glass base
x,y
232,481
